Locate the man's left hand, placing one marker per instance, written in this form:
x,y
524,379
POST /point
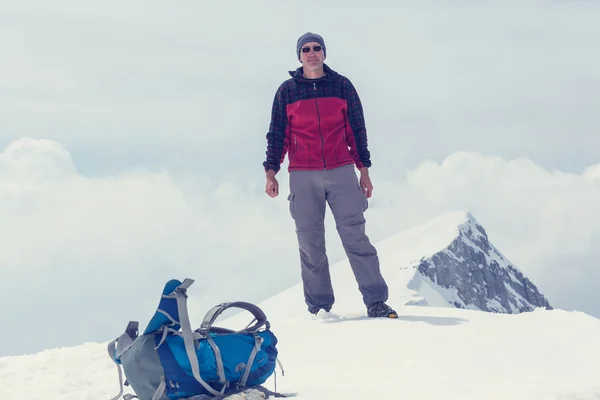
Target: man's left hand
x,y
365,182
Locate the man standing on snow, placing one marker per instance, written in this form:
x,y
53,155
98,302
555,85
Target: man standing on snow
x,y
317,119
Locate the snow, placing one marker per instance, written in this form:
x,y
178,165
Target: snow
x,y
435,352
435,295
426,239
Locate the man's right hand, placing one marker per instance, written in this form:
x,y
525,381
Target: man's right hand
x,y
272,187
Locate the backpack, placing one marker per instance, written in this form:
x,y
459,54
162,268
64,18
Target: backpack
x,y
170,361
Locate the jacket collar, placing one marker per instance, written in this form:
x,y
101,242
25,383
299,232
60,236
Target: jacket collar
x,y
298,75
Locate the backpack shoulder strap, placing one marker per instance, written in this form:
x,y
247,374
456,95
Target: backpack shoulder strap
x,y
180,294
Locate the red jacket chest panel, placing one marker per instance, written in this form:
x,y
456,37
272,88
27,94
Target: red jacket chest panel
x,y
317,132
323,116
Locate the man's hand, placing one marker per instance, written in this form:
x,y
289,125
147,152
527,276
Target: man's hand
x,y
365,182
272,187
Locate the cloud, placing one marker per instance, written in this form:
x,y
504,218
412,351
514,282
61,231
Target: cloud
x,y
89,248
93,252
592,172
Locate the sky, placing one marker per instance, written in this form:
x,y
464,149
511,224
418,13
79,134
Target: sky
x,y
132,137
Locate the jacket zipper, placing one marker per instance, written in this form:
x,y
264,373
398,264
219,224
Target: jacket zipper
x,y
321,133
295,146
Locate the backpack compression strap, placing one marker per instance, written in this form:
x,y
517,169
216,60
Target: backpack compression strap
x,y
180,293
207,326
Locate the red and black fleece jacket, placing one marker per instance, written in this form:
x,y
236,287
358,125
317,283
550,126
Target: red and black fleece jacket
x,y
319,123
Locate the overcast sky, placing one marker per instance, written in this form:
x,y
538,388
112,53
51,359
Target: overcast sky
x,y
132,136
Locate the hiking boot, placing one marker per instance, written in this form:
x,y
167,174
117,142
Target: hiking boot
x,y
323,314
317,310
381,310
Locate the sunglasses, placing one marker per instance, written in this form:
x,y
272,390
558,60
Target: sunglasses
x,y
315,48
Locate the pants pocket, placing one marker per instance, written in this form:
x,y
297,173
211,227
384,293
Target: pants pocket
x,y
291,200
363,198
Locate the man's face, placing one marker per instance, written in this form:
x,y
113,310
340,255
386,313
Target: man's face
x,y
312,59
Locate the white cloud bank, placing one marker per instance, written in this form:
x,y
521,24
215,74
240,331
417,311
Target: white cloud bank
x,y
72,243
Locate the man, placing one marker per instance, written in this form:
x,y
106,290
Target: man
x,y
317,119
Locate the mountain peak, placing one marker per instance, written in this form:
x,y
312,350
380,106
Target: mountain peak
x,y
465,221
472,273
472,230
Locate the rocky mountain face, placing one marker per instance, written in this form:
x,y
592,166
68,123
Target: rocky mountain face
x,y
471,273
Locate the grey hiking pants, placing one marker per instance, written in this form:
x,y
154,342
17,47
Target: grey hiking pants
x,y
310,192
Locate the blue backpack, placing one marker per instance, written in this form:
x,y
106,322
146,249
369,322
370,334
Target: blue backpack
x,y
170,361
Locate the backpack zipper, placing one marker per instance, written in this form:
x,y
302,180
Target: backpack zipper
x,y
321,133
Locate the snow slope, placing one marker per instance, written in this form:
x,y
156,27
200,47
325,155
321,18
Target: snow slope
x,y
428,353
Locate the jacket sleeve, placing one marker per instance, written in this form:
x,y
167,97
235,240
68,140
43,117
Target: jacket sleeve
x,y
276,136
357,138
